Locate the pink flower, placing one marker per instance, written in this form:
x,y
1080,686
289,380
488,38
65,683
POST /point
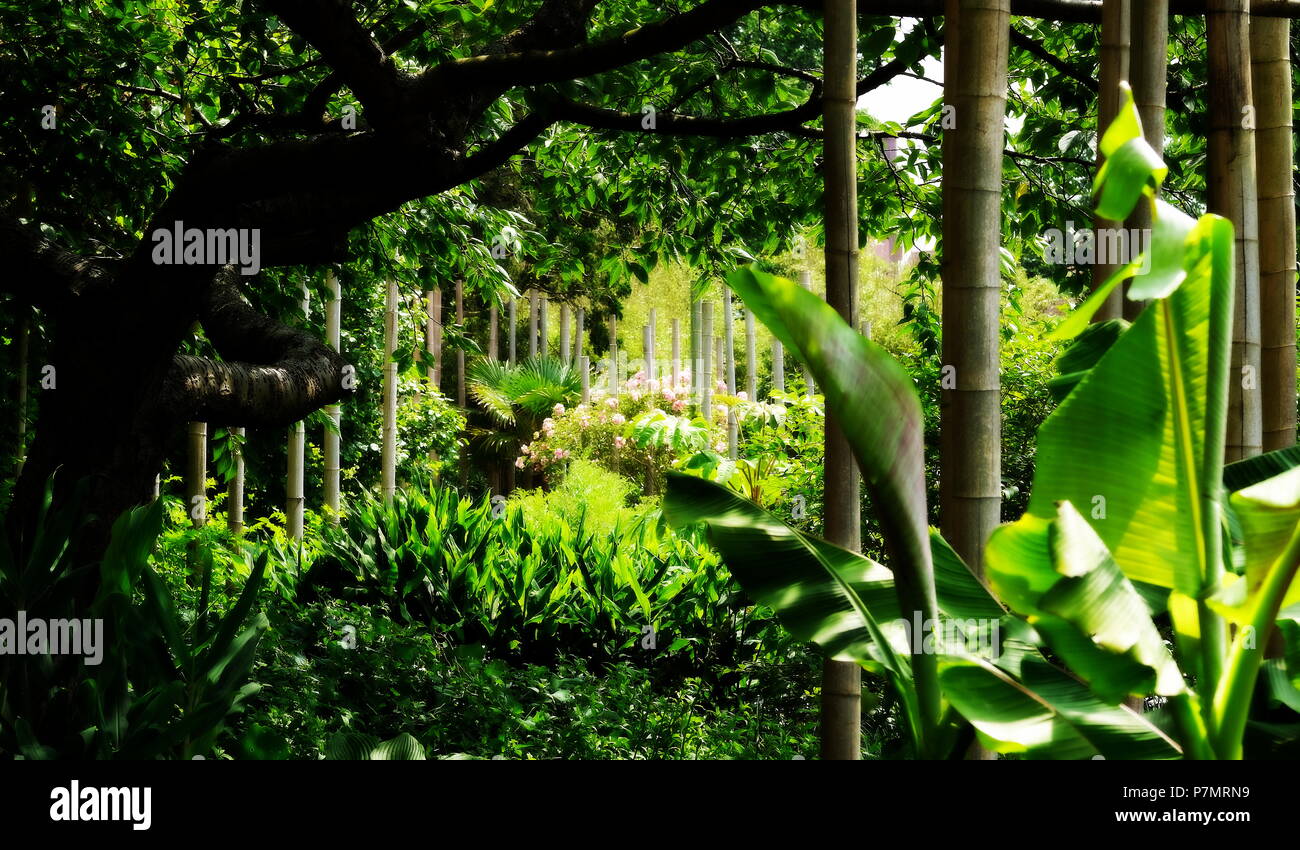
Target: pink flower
x,y
653,385
679,405
742,395
669,395
519,462
611,402
558,410
720,386
585,422
619,442
639,376
618,419
561,454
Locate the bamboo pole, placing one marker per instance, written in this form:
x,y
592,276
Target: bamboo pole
x,y
543,338
564,333
579,330
1149,69
388,458
493,353
584,368
196,474
1107,234
294,499
333,338
841,706
460,352
705,373
676,365
646,346
293,496
970,415
235,487
1233,194
729,341
1271,84
532,323
514,329
433,338
651,353
697,356
751,357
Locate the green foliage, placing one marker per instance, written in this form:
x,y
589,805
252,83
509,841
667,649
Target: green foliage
x,y
480,571
164,682
1149,407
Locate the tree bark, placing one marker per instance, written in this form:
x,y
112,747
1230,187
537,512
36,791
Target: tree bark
x,y
1115,35
235,489
841,709
975,77
388,460
1270,40
1149,68
1232,194
332,437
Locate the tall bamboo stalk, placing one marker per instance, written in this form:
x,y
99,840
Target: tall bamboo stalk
x,y
697,357
294,497
578,331
1271,84
235,487
543,337
751,358
492,352
646,347
729,337
433,338
805,280
564,333
652,355
677,353
1115,35
294,494
460,352
388,458
584,369
333,338
1233,194
1149,69
841,706
970,492
196,474
532,323
514,329
706,368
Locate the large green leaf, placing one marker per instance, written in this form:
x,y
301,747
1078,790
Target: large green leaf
x,y
876,405
1047,714
1268,513
1060,576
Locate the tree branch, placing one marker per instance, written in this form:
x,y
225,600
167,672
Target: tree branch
x,y
40,272
272,375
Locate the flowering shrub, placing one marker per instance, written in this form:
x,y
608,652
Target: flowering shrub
x,y
640,432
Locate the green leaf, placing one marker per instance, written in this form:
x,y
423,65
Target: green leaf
x,y
1048,715
1060,576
